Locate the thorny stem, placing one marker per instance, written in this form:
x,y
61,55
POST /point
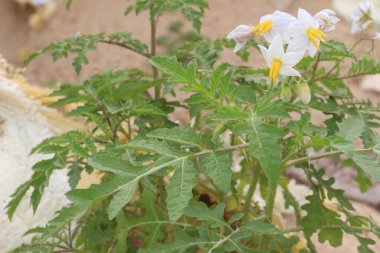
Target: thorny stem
x,y
153,47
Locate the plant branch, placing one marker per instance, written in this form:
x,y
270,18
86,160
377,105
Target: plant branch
x,y
350,76
317,157
315,67
110,42
299,229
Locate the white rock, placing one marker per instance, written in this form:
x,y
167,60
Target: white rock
x,y
22,126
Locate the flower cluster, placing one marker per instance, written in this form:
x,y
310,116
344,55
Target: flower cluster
x,y
289,37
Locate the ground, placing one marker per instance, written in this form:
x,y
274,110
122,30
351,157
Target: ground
x,y
89,16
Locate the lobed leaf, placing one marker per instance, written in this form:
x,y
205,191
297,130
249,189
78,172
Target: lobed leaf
x,y
180,188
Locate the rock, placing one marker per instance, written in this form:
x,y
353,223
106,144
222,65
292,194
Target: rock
x,y
24,123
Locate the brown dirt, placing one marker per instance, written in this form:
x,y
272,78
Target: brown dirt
x,y
89,16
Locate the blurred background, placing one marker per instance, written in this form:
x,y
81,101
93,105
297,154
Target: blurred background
x,y
25,28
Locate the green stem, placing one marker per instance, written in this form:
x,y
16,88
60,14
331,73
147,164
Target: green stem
x,y
269,206
315,67
316,157
110,42
298,229
251,190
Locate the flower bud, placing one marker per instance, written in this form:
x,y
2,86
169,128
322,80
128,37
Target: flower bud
x,y
240,35
286,93
304,92
327,20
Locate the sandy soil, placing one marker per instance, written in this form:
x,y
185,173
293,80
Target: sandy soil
x,y
89,16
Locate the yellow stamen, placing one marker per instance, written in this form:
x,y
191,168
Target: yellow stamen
x,y
274,70
262,28
316,34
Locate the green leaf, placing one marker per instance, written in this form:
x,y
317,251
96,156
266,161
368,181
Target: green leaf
x,y
351,128
228,113
363,161
180,188
367,65
122,198
259,226
263,145
181,243
203,213
148,109
172,67
178,135
83,199
364,244
217,166
16,197
154,146
333,235
81,45
320,218
335,51
192,9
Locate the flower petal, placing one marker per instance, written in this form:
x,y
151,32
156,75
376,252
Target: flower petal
x,y
312,49
298,44
267,57
241,30
239,46
305,18
292,58
276,49
287,70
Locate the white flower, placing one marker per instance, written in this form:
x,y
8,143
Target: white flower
x,y
279,61
362,17
241,35
327,20
273,24
306,34
377,36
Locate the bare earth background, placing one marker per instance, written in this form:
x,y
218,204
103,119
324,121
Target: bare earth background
x,y
94,16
